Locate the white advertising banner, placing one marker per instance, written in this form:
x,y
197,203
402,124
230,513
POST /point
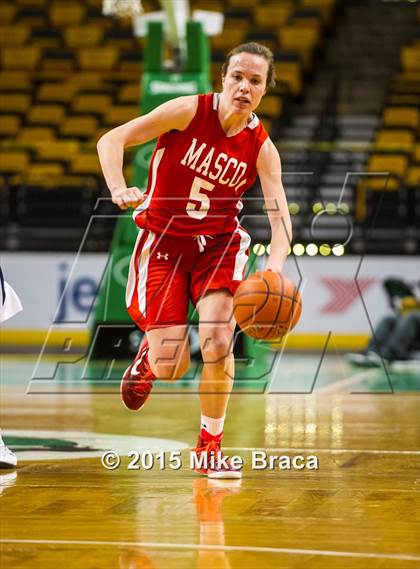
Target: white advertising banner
x,y
41,280
340,294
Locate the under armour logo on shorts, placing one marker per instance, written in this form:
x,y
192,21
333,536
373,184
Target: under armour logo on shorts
x,y
164,256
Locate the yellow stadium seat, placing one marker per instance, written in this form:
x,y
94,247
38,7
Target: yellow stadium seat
x,y
270,106
46,169
295,38
46,114
91,143
7,12
410,58
52,75
15,80
14,35
266,37
100,58
290,73
117,115
33,16
64,65
401,116
395,140
390,169
124,76
83,36
407,83
120,39
231,25
13,162
413,177
14,58
53,181
96,104
79,126
9,125
407,76
268,124
14,102
129,93
299,40
393,164
56,92
224,42
416,153
130,63
89,80
86,164
240,19
310,22
58,150
29,144
403,99
66,13
216,75
272,15
35,133
47,38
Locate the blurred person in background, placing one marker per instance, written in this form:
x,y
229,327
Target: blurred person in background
x,y
9,306
395,336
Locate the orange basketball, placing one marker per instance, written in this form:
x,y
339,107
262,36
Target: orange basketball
x,y
267,305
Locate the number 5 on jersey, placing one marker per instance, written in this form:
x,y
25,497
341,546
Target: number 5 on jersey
x,y
203,199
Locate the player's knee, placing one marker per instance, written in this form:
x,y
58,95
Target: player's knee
x,y
216,347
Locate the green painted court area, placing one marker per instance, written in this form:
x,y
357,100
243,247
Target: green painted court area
x,y
267,372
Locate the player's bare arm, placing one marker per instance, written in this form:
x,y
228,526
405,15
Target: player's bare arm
x,y
269,171
174,114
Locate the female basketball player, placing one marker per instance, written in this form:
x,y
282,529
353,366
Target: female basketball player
x,y
190,245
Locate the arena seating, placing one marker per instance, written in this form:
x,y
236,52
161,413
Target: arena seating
x,y
68,74
395,150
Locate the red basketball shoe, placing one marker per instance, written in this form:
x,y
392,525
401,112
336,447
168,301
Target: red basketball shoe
x,y
211,461
137,381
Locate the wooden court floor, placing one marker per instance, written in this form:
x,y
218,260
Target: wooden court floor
x,y
360,509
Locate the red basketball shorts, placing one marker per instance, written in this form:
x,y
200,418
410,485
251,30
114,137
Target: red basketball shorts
x,y
167,272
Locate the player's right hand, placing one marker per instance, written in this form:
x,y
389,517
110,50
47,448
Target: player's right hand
x,y
128,197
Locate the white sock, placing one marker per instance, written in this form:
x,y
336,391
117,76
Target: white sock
x,y
213,426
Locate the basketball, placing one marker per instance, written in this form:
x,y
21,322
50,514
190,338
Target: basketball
x,y
267,305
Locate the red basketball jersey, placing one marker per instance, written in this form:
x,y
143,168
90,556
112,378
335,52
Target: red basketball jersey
x,y
197,176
